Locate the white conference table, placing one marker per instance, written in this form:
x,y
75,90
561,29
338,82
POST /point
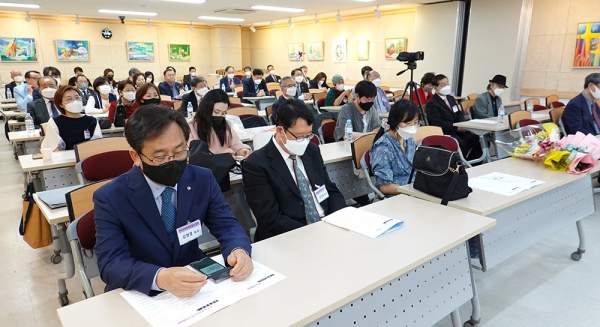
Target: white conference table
x,y
23,143
363,282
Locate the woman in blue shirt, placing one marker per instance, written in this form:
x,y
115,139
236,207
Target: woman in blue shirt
x,y
394,148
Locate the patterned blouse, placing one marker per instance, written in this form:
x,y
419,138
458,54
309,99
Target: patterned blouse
x,y
389,163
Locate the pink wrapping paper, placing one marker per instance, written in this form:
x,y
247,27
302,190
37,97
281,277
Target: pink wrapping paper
x,y
581,158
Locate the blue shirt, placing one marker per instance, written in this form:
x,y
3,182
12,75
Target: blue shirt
x,y
590,105
389,163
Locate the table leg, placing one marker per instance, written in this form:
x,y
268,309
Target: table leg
x,y
475,304
581,249
69,264
455,318
56,257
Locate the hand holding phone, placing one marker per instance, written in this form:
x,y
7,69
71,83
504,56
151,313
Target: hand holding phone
x,y
212,269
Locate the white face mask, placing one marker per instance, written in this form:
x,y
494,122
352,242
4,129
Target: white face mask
x,y
272,72
445,90
148,80
202,91
18,79
498,92
57,81
104,89
248,74
48,93
230,76
299,79
74,107
295,147
193,74
320,83
257,81
407,132
130,96
596,92
291,91
340,87
377,82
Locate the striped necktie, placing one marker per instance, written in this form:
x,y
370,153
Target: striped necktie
x,y
312,215
167,212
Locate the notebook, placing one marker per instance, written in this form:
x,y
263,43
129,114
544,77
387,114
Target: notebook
x,y
55,199
363,222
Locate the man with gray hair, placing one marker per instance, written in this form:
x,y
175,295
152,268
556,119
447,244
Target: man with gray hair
x,y
289,89
133,71
17,78
199,90
381,103
582,113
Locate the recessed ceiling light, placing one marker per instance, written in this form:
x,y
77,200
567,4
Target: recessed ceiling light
x,y
19,5
126,12
188,1
228,19
271,8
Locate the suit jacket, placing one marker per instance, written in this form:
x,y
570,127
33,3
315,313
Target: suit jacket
x,y
225,81
273,195
314,85
131,240
21,96
270,78
165,89
250,88
577,116
187,81
482,108
36,94
188,98
86,95
38,110
440,115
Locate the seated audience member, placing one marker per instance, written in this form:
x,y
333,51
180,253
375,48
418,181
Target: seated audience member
x,y
109,74
102,98
138,213
139,79
281,178
381,103
132,71
247,73
272,78
126,91
364,71
73,80
230,82
187,79
425,87
443,111
288,90
147,94
486,105
337,96
54,73
70,127
319,82
17,79
24,92
149,77
304,70
199,90
210,126
302,92
82,84
255,86
582,113
41,110
169,86
364,120
394,148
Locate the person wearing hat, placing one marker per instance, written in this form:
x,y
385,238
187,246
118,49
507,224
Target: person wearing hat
x,y
486,105
336,95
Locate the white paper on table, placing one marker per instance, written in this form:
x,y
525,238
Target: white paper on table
x,y
484,121
166,309
503,184
538,116
363,222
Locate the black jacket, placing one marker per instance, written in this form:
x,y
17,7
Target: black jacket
x,y
270,79
38,111
188,98
250,88
273,195
440,115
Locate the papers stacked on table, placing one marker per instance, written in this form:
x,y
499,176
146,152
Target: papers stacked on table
x,y
503,184
363,222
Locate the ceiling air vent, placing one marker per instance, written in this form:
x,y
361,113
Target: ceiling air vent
x,y
234,11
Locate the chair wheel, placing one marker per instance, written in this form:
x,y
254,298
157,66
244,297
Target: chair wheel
x,y
468,324
63,300
56,259
576,256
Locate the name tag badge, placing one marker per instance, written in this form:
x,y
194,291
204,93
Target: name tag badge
x,y
86,134
321,193
455,109
189,232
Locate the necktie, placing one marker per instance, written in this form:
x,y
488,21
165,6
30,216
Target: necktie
x,y
53,108
167,212
312,215
595,110
174,90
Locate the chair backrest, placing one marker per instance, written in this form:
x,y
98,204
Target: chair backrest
x,y
472,96
278,94
321,102
240,94
106,165
327,131
535,101
466,104
235,105
234,100
424,131
273,86
176,105
315,91
238,89
538,107
360,146
315,140
556,114
86,230
269,110
448,142
165,98
556,104
79,201
243,111
327,120
514,117
239,76
320,95
550,99
527,122
89,148
385,88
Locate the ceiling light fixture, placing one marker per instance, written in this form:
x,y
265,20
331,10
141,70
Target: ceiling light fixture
x,y
316,19
252,28
19,5
290,23
28,18
126,12
227,19
377,12
77,21
149,24
272,25
191,26
197,2
338,17
272,8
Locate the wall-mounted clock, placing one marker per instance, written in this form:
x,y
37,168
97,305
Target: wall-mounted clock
x,y
106,33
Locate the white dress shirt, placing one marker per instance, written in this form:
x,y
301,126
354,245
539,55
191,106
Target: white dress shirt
x,y
90,107
49,107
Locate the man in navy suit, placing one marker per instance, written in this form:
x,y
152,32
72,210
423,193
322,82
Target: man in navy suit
x,y
138,213
170,86
199,90
230,82
255,86
582,113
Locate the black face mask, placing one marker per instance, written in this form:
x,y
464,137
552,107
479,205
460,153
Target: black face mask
x,y
366,106
151,101
166,174
217,120
109,78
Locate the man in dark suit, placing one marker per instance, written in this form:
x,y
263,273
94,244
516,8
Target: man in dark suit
x,y
443,111
73,80
17,78
83,86
187,79
288,89
138,213
199,90
272,78
286,182
255,86
170,86
230,82
302,91
42,109
582,113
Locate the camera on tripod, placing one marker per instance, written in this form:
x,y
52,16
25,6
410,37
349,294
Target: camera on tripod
x,y
411,56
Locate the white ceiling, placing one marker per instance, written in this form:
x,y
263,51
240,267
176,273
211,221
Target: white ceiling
x,y
186,12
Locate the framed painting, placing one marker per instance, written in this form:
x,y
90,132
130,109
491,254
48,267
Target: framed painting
x,y
295,51
18,49
339,50
393,47
587,46
72,50
315,51
179,52
362,50
140,51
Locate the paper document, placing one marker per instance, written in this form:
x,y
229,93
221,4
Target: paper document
x,y
166,309
539,116
503,184
55,199
484,121
363,222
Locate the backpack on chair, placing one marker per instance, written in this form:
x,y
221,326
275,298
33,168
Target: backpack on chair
x,y
120,115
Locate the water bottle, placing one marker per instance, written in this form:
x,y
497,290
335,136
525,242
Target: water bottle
x,y
348,132
223,88
185,88
501,114
29,124
530,106
190,111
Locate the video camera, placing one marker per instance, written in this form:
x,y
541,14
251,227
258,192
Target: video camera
x,y
410,56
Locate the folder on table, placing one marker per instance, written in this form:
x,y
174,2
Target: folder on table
x,y
363,222
56,198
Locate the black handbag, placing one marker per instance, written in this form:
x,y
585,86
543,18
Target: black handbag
x,y
104,123
440,173
120,115
219,164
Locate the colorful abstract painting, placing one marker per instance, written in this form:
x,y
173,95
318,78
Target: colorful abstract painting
x,y
362,50
315,51
140,51
587,46
295,51
393,47
17,49
179,52
72,50
339,50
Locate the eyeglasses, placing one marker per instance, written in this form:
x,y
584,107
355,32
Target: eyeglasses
x,y
71,99
412,125
301,138
181,155
290,85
